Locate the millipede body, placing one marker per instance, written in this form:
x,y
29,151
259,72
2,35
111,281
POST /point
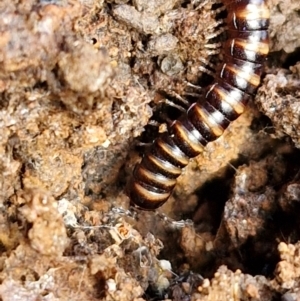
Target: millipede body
x,y
237,79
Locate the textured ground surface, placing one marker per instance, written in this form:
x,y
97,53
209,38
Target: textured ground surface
x,y
79,81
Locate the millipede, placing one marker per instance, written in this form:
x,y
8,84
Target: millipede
x,y
235,82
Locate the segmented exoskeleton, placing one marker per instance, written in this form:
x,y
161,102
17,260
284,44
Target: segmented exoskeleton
x,y
237,79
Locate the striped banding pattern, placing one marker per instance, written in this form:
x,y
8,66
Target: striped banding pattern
x,y
236,81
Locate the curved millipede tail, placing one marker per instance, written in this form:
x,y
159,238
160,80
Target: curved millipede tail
x,y
237,79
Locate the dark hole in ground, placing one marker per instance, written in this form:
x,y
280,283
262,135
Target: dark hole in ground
x,y
291,58
212,198
259,260
100,286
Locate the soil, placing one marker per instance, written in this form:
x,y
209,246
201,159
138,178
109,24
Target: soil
x,y
83,85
